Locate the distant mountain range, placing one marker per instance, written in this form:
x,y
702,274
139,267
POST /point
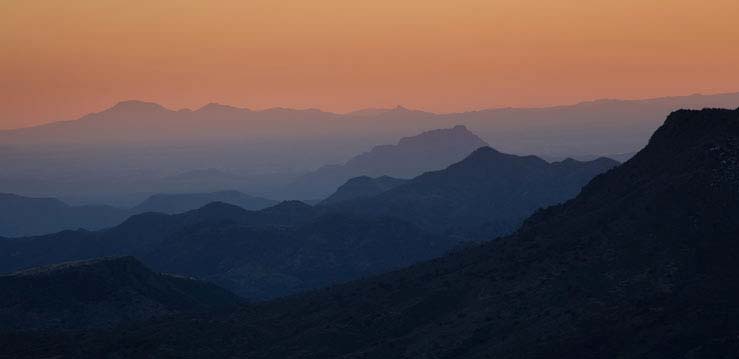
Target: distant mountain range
x,y
292,247
100,293
411,156
138,147
595,127
26,216
642,263
172,203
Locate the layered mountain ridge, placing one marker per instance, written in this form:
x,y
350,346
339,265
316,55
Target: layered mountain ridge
x,y
362,186
410,157
27,216
640,264
292,247
100,293
483,196
113,156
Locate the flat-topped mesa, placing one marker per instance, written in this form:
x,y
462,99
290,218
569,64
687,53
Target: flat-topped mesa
x,y
690,127
457,134
217,108
135,106
682,123
692,141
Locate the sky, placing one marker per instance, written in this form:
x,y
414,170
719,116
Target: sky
x,y
62,59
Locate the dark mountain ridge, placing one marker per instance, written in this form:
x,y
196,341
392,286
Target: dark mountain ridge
x,y
292,246
640,264
172,203
280,250
100,293
363,186
485,195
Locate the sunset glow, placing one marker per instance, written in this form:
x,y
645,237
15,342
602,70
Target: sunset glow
x,y
63,59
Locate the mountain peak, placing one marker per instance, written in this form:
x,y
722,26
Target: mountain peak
x,y
482,153
218,207
458,134
217,107
409,157
291,205
135,106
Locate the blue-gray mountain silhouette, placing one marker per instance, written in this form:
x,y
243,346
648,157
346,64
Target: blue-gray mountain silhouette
x,y
487,194
172,203
641,264
361,187
136,147
292,246
27,216
411,156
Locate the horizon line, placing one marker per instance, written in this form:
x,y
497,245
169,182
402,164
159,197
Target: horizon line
x,y
397,107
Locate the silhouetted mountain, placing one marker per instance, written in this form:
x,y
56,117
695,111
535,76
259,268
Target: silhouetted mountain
x,y
137,147
641,264
619,125
100,293
487,194
292,246
363,186
398,113
25,216
410,157
280,250
182,202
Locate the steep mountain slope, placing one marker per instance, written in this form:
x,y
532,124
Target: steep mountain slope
x,y
411,156
641,264
171,203
485,195
100,293
363,186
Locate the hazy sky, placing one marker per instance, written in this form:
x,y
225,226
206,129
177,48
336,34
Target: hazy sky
x,y
63,58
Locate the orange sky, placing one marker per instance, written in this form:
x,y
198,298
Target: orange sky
x,y
63,58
